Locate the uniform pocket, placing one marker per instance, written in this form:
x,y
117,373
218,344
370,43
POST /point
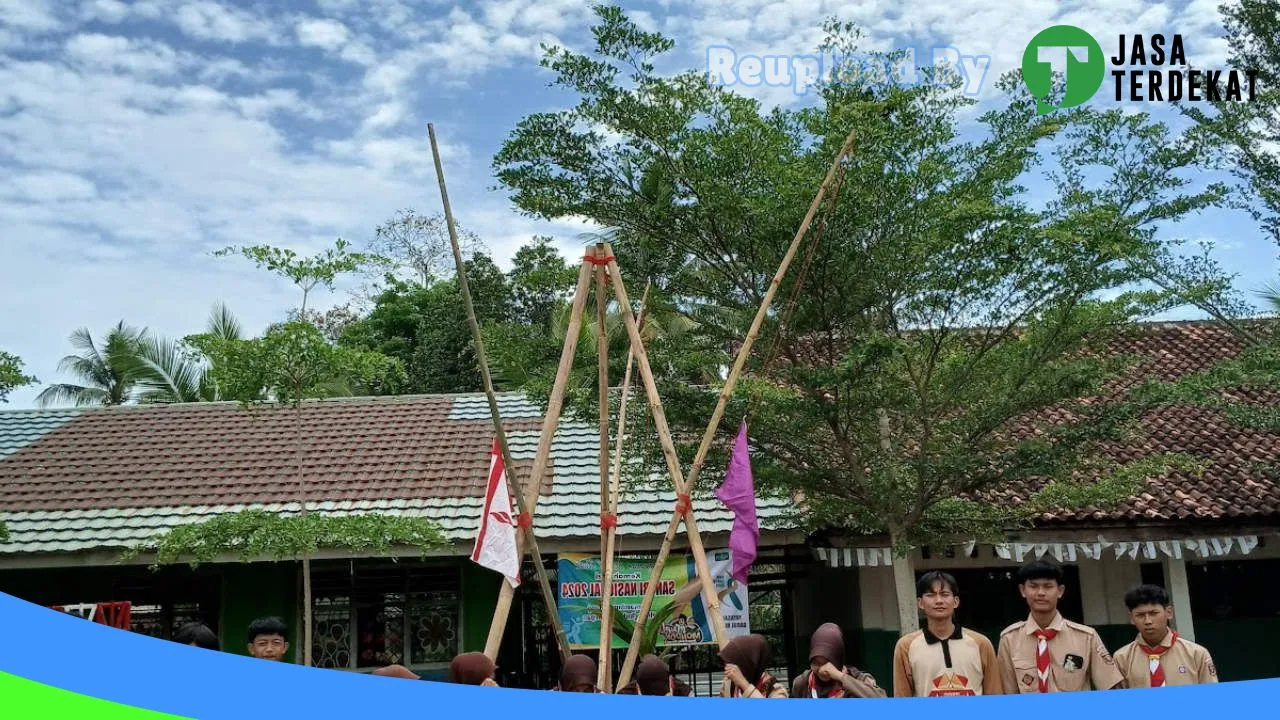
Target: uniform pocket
x,y
1025,675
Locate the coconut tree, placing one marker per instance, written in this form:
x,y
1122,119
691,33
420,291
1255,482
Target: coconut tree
x,y
175,371
107,373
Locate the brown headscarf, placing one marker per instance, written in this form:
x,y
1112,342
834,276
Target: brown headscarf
x,y
828,642
653,676
578,675
396,671
471,668
750,653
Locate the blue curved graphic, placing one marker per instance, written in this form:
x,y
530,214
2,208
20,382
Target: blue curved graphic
x,y
69,654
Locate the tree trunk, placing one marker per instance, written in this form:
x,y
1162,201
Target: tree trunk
x,y
904,585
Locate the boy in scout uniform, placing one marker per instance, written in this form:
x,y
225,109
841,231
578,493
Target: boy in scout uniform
x,y
943,659
1046,653
1160,657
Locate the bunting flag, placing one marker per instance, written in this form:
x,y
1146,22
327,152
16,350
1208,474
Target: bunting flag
x,y
496,542
739,495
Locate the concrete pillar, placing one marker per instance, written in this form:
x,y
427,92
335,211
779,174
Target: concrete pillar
x,y
1102,587
1175,574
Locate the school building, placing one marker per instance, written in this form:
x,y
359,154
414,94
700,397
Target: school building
x,y
79,486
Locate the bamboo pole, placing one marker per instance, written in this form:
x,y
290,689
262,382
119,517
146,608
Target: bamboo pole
x,y
509,468
709,595
730,383
611,536
604,666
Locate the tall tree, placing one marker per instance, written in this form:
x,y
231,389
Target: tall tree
x,y
424,327
177,371
11,375
107,374
419,244
541,281
945,310
307,273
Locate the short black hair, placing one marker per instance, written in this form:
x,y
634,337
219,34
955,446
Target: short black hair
x,y
198,634
1040,570
268,626
1146,595
926,582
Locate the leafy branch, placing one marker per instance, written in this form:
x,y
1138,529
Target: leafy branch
x,y
255,534
306,272
11,375
4,532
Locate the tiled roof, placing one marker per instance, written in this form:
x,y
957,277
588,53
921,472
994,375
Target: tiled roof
x,y
19,428
113,477
1241,476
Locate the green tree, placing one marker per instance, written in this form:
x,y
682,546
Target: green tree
x,y
945,311
321,269
107,374
541,282
11,375
425,327
177,371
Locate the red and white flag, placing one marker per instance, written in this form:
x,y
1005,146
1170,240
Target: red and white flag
x,y
496,544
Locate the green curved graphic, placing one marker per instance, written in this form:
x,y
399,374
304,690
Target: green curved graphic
x,y
26,699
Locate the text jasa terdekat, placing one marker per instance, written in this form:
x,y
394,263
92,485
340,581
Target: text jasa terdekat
x,y
1177,82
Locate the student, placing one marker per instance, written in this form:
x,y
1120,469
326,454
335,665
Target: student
x,y
578,675
943,658
267,639
197,634
745,659
1160,657
1046,653
653,677
473,668
827,676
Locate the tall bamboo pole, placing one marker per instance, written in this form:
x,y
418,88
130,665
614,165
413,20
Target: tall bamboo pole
x,y
555,406
709,595
509,467
616,484
731,382
605,666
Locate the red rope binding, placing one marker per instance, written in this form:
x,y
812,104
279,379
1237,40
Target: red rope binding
x,y
524,521
683,504
598,260
608,521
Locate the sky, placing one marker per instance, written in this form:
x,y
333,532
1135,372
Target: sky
x,y
136,138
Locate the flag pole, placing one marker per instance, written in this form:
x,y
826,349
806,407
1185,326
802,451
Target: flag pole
x,y
548,597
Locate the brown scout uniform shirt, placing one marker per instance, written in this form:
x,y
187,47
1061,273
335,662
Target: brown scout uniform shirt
x,y
1184,663
1077,658
962,664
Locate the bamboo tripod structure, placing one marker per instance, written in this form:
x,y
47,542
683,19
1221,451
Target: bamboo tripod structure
x,y
628,665
601,263
513,487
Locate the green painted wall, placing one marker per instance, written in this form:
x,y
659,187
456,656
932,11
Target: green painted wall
x,y
479,597
259,590
1234,646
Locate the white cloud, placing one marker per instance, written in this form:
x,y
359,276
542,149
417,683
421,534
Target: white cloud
x,y
212,21
110,52
48,187
326,34
108,11
35,16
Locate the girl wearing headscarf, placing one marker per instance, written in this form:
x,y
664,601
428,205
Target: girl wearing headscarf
x,y
578,675
473,668
745,659
827,676
653,677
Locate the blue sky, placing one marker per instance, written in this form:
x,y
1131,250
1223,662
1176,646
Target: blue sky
x,y
137,137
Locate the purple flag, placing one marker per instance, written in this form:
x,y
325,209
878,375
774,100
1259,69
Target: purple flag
x,y
738,493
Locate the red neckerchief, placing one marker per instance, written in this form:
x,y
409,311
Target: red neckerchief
x,y
1153,658
835,692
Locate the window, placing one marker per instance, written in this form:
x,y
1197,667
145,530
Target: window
x,y
368,615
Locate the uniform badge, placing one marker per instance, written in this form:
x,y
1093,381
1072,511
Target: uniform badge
x,y
1072,662
1182,669
1028,679
1213,670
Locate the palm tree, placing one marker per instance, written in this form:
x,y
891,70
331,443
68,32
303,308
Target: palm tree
x,y
172,372
1270,294
107,374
